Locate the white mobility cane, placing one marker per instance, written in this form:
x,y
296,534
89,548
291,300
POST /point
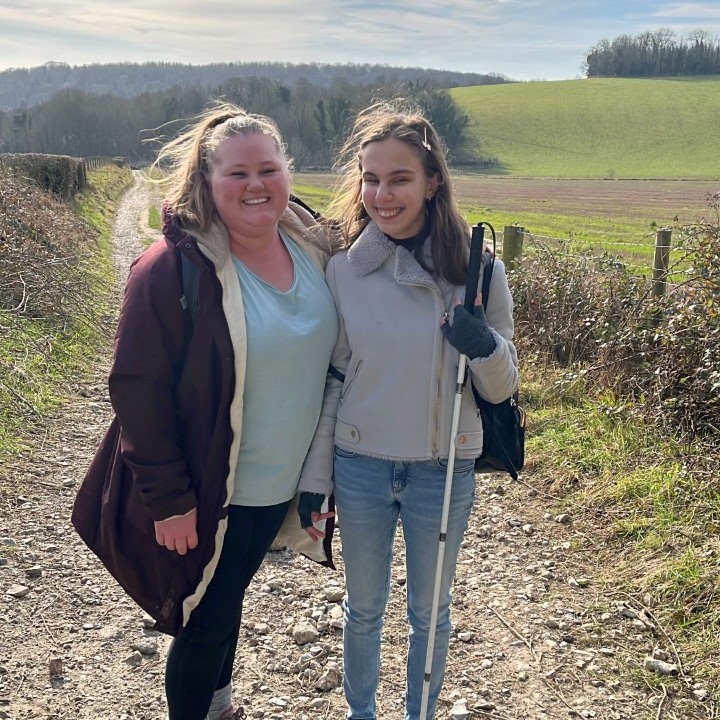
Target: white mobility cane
x,y
474,264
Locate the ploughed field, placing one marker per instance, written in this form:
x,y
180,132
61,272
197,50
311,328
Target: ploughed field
x,y
659,200
644,200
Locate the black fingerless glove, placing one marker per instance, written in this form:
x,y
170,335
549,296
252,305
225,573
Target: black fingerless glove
x,y
309,503
470,334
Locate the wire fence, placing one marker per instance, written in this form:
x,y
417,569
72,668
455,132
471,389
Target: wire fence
x,y
95,161
517,241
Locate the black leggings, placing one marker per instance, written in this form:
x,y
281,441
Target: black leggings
x,y
200,659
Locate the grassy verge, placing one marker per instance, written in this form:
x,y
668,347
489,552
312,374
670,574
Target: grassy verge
x,y
43,350
653,520
154,220
97,205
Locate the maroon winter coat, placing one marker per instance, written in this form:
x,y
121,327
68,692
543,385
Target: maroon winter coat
x,y
171,385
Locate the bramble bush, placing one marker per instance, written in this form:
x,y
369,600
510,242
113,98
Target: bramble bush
x,y
590,315
567,306
682,380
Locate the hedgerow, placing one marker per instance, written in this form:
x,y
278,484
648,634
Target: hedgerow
x,y
50,308
591,316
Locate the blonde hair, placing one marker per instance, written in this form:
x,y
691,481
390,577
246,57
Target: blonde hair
x,y
449,233
191,155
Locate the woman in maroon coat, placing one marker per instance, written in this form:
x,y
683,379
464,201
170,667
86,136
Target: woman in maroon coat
x,y
191,484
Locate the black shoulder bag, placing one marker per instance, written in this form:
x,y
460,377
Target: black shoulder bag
x,y
503,423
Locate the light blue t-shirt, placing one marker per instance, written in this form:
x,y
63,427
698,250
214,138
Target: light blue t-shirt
x,y
290,336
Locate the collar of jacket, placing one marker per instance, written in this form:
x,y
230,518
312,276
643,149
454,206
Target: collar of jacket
x,y
372,248
296,221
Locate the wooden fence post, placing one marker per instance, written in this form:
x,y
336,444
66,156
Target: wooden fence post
x,y
512,245
662,262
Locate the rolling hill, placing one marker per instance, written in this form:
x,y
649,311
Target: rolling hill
x,y
598,128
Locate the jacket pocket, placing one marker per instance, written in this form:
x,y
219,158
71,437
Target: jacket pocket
x,y
469,443
346,433
469,438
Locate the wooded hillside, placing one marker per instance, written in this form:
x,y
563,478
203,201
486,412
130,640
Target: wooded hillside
x,y
313,119
25,87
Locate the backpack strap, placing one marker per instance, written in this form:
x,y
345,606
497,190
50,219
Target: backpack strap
x,y
190,285
305,206
488,268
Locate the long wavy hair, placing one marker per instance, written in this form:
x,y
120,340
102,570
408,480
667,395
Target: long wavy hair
x,y
187,160
449,232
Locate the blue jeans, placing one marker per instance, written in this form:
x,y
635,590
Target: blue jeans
x,y
371,494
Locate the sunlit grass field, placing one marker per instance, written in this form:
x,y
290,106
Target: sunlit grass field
x,y
598,128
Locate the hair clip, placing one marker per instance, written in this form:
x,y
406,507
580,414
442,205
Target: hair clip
x,y
425,142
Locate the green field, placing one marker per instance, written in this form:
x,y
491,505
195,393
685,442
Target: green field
x,y
598,128
620,217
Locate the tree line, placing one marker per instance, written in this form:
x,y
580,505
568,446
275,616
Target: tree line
x,y
30,86
656,53
313,119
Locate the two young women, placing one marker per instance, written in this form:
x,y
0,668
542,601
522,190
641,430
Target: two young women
x,y
200,402
385,430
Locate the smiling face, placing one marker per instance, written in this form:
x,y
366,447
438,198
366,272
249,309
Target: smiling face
x,y
395,187
250,184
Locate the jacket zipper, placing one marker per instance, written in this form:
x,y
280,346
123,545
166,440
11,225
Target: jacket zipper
x,y
346,390
438,393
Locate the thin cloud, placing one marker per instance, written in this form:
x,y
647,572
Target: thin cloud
x,y
522,39
700,12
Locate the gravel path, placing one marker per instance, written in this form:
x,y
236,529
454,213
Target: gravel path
x,y
538,633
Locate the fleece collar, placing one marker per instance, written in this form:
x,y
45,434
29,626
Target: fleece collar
x,y
372,249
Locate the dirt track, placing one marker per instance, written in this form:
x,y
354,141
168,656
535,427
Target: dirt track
x,y
540,631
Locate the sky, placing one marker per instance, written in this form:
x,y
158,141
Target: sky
x,y
521,39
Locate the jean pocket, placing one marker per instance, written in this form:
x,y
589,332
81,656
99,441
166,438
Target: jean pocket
x,y
461,466
341,452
